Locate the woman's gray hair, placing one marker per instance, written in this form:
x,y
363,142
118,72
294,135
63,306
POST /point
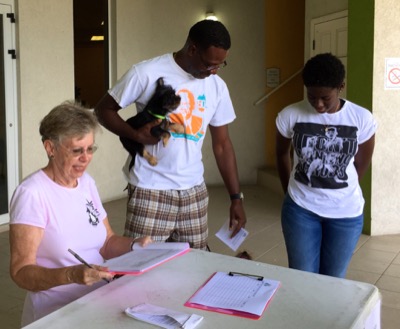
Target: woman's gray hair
x,y
69,119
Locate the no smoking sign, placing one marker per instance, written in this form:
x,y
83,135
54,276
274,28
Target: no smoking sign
x,y
392,73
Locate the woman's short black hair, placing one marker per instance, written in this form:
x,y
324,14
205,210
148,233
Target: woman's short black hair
x,y
323,70
207,33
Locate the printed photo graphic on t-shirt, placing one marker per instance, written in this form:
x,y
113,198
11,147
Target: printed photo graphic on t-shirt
x,y
324,152
190,114
92,212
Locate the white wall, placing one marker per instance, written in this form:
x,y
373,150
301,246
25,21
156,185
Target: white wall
x,y
143,29
385,205
148,28
385,168
46,71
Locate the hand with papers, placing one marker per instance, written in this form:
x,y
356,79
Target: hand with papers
x,y
224,234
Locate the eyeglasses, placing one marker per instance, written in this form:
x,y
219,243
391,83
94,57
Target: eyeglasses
x,y
211,67
77,152
216,67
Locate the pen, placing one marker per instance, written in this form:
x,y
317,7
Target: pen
x,y
83,261
258,277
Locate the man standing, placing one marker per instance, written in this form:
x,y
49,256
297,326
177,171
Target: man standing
x,y
169,201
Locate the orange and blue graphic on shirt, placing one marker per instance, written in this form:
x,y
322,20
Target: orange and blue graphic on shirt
x,y
190,114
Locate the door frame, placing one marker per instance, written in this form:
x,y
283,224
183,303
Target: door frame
x,y
10,82
323,19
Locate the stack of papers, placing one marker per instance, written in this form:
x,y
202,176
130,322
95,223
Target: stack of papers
x,y
142,259
163,317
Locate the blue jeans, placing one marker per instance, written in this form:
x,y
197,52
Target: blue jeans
x,y
319,244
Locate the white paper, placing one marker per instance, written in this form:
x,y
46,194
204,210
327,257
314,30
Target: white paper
x,y
163,317
392,73
161,245
237,292
224,234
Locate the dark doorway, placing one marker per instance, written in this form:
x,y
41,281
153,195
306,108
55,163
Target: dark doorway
x,y
91,57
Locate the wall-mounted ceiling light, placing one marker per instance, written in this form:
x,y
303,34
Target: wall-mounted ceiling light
x,y
211,16
97,38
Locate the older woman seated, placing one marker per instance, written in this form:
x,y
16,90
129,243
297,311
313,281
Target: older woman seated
x,y
58,208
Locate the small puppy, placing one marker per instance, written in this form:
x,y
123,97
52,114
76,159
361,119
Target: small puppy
x,y
161,103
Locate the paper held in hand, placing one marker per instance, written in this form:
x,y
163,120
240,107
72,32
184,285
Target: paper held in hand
x,y
142,259
224,234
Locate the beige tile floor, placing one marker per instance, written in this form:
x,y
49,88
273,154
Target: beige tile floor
x,y
376,260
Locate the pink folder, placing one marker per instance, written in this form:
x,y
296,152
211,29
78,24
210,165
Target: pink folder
x,y
143,259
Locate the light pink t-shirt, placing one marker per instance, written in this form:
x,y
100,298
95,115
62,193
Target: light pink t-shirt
x,y
71,218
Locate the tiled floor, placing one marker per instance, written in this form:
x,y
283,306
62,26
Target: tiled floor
x,y
376,260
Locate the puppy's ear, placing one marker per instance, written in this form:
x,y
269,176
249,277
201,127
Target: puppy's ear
x,y
160,82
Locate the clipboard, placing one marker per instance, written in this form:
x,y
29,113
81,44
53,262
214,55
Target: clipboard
x,y
233,293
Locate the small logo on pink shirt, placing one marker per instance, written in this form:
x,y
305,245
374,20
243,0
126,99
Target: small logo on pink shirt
x,y
92,213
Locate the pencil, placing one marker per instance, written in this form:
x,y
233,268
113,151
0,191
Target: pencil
x,y
83,261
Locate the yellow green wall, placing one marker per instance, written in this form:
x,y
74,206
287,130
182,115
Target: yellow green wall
x,y
360,75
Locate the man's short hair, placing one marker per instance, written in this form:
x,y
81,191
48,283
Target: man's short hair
x,y
209,33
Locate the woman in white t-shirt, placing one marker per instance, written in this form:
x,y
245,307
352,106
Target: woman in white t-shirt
x,y
333,141
58,208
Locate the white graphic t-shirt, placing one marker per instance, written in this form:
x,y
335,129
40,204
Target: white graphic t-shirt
x,y
203,102
324,179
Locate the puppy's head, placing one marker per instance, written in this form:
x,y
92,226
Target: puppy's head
x,y
164,99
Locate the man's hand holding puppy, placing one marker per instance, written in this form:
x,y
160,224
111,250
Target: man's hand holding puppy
x,y
143,134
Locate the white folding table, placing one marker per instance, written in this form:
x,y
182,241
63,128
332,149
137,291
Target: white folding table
x,y
304,300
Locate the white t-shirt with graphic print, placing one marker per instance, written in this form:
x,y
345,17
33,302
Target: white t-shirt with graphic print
x,y
324,179
71,218
203,102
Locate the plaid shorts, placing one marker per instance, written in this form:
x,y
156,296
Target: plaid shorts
x,y
170,215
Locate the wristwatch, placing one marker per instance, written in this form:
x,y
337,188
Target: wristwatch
x,y
237,196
